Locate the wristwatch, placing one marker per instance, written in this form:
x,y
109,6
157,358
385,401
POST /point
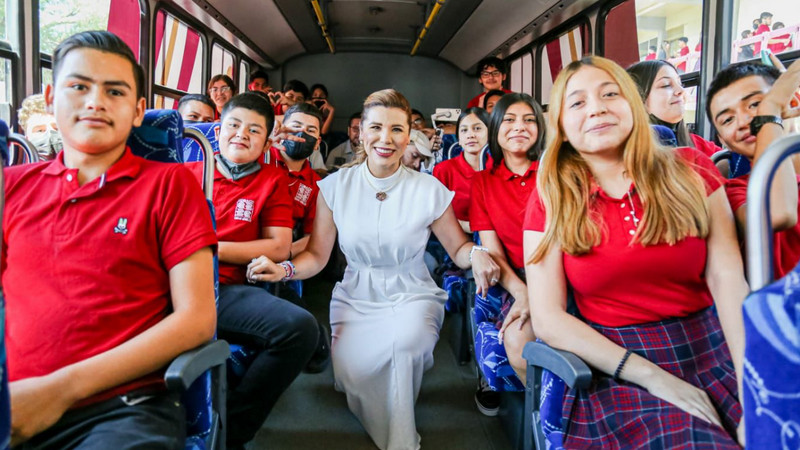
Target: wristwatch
x,y
759,121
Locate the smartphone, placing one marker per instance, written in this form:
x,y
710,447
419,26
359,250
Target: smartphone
x,y
439,133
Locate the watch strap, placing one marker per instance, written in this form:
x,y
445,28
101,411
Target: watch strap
x,y
760,121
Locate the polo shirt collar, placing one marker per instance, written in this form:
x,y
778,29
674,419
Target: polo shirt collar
x,y
596,191
502,171
129,165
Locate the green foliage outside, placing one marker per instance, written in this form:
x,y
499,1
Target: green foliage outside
x,y
59,19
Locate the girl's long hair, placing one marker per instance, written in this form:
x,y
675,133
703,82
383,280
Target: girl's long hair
x,y
644,74
672,193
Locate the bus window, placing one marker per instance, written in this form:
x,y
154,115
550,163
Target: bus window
x,y
663,30
6,89
764,24
179,60
558,53
222,62
59,19
244,71
521,74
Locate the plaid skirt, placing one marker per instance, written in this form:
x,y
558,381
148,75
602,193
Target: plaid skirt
x,y
611,414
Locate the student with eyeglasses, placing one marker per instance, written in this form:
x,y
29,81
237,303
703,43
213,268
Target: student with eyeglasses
x,y
491,75
220,88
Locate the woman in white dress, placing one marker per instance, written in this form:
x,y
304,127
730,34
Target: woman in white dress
x,y
387,311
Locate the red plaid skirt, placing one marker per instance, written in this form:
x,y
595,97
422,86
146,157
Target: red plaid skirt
x,y
611,414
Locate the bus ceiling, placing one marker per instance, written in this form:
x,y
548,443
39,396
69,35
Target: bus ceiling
x,y
461,31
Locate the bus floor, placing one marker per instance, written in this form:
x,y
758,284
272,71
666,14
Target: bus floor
x,y
312,415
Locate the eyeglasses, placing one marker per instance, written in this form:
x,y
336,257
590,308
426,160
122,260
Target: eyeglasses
x,y
221,90
493,74
355,128
417,121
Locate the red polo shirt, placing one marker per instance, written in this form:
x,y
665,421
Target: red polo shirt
x,y
786,243
477,101
303,190
86,268
456,174
707,148
763,28
619,283
245,207
499,198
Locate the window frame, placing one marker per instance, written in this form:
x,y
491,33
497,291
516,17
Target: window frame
x,y
541,43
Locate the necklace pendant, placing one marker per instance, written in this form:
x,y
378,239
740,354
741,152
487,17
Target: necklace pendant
x,y
381,196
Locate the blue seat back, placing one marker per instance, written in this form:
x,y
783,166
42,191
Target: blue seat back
x,y
664,135
4,142
160,138
191,149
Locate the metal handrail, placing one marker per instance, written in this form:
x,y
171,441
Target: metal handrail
x,y
28,149
482,157
759,229
721,156
208,159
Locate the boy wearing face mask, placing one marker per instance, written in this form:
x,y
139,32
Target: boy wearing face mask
x,y
40,127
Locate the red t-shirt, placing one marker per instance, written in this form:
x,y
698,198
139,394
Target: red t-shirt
x,y
683,52
456,174
763,28
708,148
786,243
477,101
245,207
86,268
650,57
619,283
780,47
499,197
303,190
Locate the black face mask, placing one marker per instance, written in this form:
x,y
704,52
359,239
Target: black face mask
x,y
299,151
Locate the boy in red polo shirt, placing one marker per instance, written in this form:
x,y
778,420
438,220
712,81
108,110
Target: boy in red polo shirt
x,y
254,218
107,267
292,158
738,95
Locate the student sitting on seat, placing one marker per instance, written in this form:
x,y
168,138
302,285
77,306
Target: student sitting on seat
x,y
196,108
644,237
107,267
254,217
39,126
746,103
345,152
220,88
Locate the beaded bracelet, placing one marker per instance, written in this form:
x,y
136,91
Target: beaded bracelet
x,y
477,248
289,268
622,362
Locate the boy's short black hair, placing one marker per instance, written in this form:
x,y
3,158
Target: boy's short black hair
x,y
417,112
765,15
196,98
734,73
304,108
491,61
319,86
104,42
258,73
684,39
297,86
653,48
253,102
353,116
492,93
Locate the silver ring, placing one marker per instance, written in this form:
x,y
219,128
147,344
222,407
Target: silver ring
x,y
494,280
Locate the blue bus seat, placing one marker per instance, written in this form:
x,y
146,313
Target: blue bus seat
x,y
5,400
198,374
664,135
771,378
191,149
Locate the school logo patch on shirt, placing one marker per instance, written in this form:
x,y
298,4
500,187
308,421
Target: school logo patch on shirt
x,y
122,226
244,210
303,194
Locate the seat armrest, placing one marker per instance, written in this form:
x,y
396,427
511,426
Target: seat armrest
x,y
188,366
567,366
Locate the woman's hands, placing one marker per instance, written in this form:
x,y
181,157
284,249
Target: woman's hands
x,y
485,271
685,396
263,269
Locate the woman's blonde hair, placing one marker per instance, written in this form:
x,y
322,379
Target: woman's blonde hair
x,y
387,98
672,193
31,106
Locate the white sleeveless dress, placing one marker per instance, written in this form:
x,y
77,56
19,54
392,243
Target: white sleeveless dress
x,y
387,311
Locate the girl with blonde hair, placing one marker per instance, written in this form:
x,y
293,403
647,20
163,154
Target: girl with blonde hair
x,y
645,238
387,311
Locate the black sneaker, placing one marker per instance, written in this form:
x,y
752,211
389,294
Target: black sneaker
x,y
488,401
322,356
